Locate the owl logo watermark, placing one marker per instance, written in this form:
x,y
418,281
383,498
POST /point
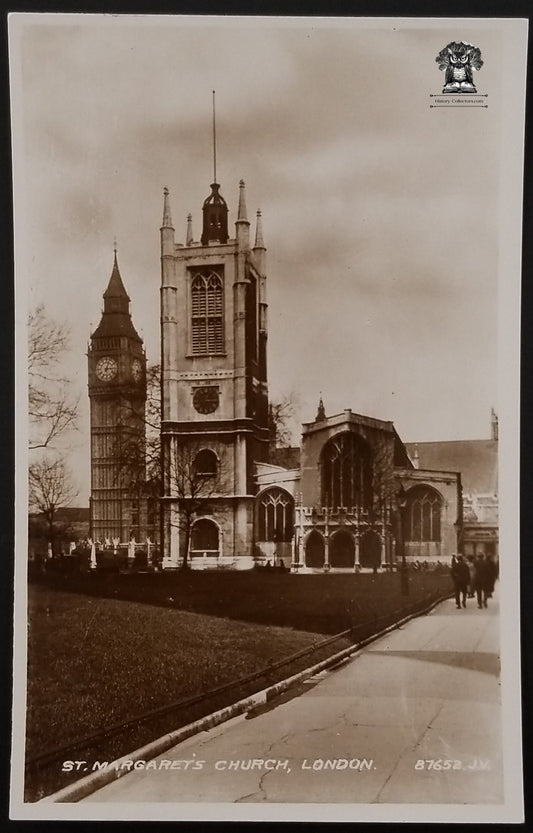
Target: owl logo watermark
x,y
460,61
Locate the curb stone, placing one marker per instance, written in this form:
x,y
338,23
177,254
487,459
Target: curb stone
x,y
118,768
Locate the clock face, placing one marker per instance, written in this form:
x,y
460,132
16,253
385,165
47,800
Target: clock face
x,y
206,400
136,370
106,369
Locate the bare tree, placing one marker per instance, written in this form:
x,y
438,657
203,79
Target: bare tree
x,y
52,409
193,473
195,476
153,428
384,480
138,438
50,489
282,416
376,486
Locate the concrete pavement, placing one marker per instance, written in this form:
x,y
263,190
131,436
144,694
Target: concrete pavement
x,y
413,718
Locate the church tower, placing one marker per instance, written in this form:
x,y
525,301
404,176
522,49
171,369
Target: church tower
x,y
214,381
117,392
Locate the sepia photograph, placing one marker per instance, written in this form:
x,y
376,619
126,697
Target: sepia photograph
x,y
267,304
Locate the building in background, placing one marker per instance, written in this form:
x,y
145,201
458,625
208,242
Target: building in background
x,y
117,393
71,525
477,460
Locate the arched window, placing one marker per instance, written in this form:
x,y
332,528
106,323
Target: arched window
x,y
275,520
206,463
207,313
422,515
204,536
346,472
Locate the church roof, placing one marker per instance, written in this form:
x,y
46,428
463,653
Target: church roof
x,y
115,324
116,317
477,460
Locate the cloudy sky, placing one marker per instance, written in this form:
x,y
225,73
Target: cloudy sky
x,y
382,216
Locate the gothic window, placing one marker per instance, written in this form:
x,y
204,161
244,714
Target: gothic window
x,y
346,472
275,516
206,463
207,313
204,535
423,515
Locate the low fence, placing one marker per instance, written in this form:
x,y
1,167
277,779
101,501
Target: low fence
x,y
110,559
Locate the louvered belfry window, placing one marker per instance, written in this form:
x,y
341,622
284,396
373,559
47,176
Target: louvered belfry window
x,y
207,312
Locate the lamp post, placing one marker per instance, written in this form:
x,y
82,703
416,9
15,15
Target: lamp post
x,y
401,499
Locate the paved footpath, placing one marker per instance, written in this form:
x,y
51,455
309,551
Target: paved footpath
x,y
373,730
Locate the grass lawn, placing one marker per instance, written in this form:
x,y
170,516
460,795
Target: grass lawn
x,y
121,645
96,661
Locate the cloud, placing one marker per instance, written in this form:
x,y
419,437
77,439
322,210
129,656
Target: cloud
x,y
380,216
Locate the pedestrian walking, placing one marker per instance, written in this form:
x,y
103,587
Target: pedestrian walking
x,y
491,575
460,577
472,570
482,580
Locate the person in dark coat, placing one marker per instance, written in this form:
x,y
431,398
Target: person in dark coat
x,y
482,580
491,575
460,577
470,563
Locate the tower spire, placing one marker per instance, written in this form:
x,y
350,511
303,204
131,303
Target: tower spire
x,y
115,295
167,218
116,316
214,209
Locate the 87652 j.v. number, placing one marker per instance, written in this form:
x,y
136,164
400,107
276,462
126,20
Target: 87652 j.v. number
x,y
443,765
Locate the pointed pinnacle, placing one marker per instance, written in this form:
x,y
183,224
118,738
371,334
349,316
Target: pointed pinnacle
x,y
321,411
189,237
259,243
167,218
241,214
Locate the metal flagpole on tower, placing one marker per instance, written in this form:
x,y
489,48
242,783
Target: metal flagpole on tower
x,y
214,142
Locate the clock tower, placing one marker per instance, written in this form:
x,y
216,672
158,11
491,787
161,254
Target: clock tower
x,y
117,393
213,381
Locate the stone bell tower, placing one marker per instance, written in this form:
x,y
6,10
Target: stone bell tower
x,y
214,376
117,393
